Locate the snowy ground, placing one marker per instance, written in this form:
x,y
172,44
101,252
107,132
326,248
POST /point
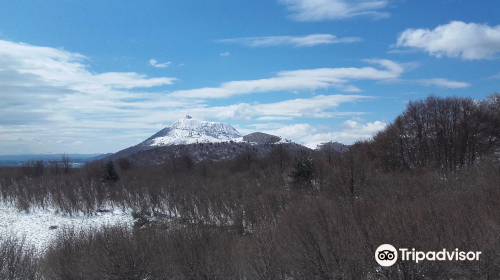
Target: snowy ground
x,y
39,227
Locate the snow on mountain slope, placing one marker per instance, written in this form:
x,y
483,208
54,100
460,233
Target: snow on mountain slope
x,y
313,145
188,130
334,146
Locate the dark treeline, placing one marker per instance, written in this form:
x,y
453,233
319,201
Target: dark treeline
x,y
446,133
429,181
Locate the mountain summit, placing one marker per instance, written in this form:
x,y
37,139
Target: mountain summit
x,y
188,131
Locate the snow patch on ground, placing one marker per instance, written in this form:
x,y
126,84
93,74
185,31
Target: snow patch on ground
x,y
40,226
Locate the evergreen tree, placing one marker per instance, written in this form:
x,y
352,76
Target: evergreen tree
x,y
109,173
303,172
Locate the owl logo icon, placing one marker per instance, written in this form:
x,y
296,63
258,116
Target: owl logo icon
x,y
386,255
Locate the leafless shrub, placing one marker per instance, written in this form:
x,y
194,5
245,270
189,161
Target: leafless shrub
x,y
33,168
66,164
17,260
124,164
107,253
54,166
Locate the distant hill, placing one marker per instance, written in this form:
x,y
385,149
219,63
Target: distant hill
x,y
332,146
261,138
205,151
203,140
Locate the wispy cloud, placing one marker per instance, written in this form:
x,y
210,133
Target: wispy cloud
x,y
320,106
456,39
155,63
300,80
444,83
225,54
54,102
349,132
266,125
274,118
439,82
403,51
497,76
316,107
296,41
319,10
49,94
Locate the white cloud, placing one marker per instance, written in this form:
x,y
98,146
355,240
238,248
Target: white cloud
x,y
294,130
363,129
318,10
320,106
274,118
439,82
296,41
455,39
444,83
350,132
267,125
225,54
403,51
155,63
49,94
300,80
497,76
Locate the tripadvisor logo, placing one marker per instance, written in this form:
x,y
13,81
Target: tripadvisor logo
x,y
387,255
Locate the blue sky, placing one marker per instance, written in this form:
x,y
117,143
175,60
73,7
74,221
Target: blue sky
x,y
99,76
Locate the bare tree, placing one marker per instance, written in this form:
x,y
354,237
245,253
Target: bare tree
x,y
446,133
32,168
54,166
124,163
66,165
280,156
327,149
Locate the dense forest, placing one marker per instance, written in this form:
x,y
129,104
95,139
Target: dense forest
x,y
430,181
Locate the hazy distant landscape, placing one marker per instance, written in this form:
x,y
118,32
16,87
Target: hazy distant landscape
x,y
76,159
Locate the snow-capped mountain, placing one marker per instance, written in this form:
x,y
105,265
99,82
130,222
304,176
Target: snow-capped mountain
x,y
188,131
202,140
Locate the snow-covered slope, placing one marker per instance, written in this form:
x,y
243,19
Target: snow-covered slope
x,y
334,146
188,130
313,145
